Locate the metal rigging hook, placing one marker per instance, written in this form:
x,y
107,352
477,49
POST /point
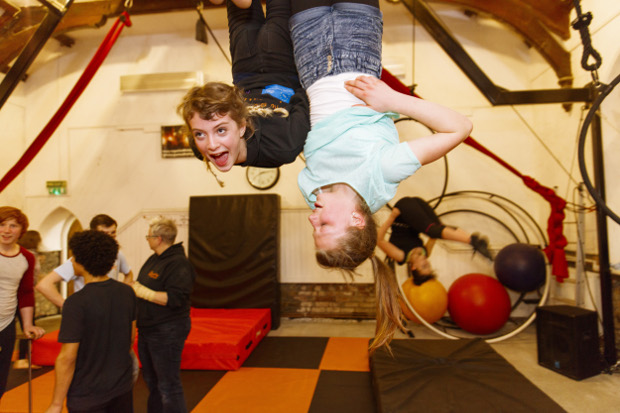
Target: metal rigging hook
x,y
582,23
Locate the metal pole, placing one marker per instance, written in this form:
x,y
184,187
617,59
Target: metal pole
x,y
580,275
609,333
29,375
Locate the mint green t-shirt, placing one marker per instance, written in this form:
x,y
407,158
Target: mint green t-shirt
x,y
359,147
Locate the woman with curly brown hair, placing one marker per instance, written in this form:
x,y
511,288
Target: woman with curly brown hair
x,y
262,119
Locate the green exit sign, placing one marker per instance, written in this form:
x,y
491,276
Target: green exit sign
x,y
56,187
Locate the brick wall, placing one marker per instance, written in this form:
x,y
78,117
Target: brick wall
x,y
328,300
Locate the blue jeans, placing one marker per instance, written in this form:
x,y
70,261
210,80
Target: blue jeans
x,y
329,40
160,348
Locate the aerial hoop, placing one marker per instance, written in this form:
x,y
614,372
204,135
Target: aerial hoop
x,y
581,150
536,235
445,163
491,340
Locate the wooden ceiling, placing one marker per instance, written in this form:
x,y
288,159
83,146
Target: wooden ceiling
x,y
540,22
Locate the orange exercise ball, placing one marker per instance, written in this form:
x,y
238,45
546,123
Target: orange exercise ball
x,y
430,300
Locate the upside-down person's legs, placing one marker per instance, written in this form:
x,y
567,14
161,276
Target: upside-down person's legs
x,y
242,4
478,242
275,45
418,215
455,234
301,5
259,43
243,27
332,38
436,229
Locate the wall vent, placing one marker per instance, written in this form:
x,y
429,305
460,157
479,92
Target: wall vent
x,y
161,81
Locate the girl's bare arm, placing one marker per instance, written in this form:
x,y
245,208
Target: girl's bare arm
x,y
450,126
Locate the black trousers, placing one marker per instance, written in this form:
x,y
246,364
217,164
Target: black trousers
x,y
7,343
419,217
259,42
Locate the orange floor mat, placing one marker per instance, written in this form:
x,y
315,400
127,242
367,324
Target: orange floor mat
x,y
285,375
346,354
258,390
16,400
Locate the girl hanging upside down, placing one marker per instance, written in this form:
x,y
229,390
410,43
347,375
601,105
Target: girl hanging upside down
x,y
354,160
411,217
262,119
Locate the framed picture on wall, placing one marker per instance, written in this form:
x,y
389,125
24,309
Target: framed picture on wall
x,y
175,142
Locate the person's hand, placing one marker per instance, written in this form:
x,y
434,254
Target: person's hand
x,y
54,409
374,92
34,332
395,212
143,292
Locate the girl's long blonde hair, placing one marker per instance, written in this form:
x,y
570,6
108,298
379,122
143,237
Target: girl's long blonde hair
x,y
355,247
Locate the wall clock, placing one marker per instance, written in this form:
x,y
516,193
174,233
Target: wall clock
x,y
262,178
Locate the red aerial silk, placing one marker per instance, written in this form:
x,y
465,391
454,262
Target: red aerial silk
x,y
75,93
557,241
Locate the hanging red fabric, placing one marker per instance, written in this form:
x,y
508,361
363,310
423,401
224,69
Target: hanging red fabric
x,y
557,241
75,93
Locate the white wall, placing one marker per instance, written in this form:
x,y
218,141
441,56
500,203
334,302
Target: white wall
x,y
13,141
108,147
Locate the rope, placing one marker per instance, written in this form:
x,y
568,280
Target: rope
x,y
75,93
557,241
205,24
543,144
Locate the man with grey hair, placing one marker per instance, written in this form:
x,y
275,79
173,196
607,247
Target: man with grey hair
x,y
163,288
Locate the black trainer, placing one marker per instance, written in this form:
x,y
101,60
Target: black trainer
x,y
481,245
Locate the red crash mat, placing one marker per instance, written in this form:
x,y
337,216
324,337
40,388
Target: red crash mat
x,y
220,339
45,349
223,339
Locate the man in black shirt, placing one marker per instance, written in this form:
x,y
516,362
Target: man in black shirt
x,y
94,367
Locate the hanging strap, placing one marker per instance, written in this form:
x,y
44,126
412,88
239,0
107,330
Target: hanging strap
x,y
582,23
75,93
557,241
555,228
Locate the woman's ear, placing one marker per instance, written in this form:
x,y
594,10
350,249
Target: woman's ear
x,y
357,220
242,129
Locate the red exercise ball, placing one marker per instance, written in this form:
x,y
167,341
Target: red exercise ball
x,y
478,303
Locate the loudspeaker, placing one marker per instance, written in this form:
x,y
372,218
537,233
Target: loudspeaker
x,y
567,339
